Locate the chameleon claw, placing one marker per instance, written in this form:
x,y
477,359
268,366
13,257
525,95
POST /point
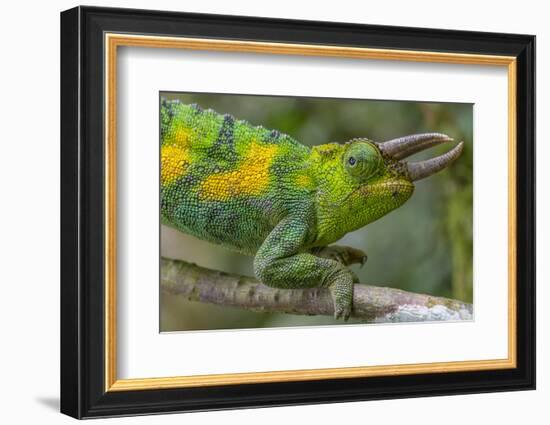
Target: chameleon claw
x,y
343,254
355,256
342,313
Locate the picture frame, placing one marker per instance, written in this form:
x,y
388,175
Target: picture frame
x,y
90,41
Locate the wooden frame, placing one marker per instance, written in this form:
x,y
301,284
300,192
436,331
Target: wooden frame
x,y
90,38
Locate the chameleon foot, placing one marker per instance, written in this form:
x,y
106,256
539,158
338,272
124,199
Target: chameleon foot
x,y
343,254
342,295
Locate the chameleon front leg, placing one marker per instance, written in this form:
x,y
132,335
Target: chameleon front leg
x,y
344,254
282,262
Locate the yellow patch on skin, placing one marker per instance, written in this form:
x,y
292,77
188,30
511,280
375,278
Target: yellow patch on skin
x,y
174,154
174,162
304,181
180,137
327,149
251,178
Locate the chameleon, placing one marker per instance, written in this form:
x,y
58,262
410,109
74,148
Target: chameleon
x,y
262,193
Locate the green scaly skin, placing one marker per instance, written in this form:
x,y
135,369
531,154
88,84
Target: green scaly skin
x,y
262,193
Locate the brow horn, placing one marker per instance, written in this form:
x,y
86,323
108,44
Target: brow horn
x,y
406,146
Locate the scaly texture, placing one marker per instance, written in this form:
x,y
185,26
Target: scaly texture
x,y
261,193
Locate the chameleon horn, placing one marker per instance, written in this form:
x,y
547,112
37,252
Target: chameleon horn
x,y
422,169
406,146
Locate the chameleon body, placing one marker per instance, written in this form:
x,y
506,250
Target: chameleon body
x,y
262,193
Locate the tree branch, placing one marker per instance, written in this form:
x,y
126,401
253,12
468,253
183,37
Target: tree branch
x,y
370,303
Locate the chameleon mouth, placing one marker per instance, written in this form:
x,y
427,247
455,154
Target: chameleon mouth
x,y
397,189
403,147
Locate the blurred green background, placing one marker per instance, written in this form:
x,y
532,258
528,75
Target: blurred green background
x,y
424,246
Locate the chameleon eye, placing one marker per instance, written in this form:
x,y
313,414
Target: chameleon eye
x,y
362,160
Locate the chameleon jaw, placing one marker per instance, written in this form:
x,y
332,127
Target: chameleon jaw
x,y
403,147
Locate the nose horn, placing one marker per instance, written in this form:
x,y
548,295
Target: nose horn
x,y
422,169
406,146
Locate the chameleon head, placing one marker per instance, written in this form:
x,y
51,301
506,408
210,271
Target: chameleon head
x,y
378,179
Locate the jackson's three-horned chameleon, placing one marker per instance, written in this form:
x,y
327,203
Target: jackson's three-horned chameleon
x,y
262,193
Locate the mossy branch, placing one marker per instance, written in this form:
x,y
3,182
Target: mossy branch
x,y
370,303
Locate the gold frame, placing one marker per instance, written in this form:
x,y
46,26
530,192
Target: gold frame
x,y
113,41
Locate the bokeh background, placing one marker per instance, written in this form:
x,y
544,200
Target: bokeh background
x,y
424,246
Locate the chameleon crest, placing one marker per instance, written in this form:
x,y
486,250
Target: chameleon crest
x,y
262,193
